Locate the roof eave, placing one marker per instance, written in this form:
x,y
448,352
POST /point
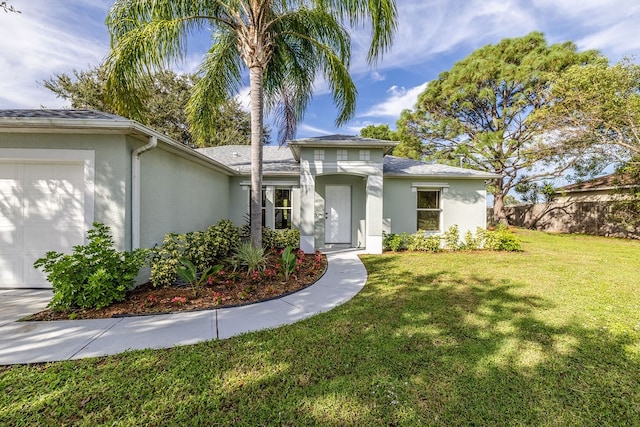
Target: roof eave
x,y
123,126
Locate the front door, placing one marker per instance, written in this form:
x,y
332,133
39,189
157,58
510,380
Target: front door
x,y
337,223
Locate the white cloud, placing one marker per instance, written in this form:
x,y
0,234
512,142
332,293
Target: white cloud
x,y
399,99
244,98
43,40
306,130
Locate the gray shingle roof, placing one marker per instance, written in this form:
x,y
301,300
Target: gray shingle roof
x,y
59,114
275,160
399,166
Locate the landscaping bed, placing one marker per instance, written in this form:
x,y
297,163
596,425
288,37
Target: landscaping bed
x,y
224,289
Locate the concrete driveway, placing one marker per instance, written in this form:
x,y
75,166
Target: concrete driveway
x,y
18,303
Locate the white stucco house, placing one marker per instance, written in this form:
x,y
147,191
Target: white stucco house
x,y
60,170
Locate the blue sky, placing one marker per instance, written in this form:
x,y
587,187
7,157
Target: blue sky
x,y
51,37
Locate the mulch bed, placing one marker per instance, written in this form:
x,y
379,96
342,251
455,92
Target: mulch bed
x,y
226,290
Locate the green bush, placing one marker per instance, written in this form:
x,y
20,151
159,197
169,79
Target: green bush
x,y
452,238
203,248
420,242
394,242
274,239
502,239
95,275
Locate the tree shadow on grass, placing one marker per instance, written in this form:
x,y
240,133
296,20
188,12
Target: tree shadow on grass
x,y
413,347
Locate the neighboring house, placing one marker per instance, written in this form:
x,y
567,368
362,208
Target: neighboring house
x,y
604,188
582,207
60,170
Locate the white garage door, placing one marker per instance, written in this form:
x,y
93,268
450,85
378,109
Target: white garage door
x,y
41,209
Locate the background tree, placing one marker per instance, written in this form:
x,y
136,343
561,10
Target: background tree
x,y
625,209
165,95
481,110
599,106
284,45
378,132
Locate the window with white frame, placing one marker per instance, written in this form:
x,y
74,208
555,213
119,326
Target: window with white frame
x,y
282,208
428,209
318,154
342,155
277,207
365,155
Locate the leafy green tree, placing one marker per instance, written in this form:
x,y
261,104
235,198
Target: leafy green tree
x,y
283,44
378,132
625,209
481,111
598,105
165,96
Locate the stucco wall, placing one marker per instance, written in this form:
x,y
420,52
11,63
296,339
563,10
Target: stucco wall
x,y
112,172
178,195
463,203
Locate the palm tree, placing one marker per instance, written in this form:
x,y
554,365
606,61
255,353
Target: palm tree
x,y
284,44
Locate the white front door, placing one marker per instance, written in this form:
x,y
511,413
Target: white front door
x,y
337,214
41,209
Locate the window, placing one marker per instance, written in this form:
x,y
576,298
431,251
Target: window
x,y
318,154
365,155
282,208
342,155
276,207
428,210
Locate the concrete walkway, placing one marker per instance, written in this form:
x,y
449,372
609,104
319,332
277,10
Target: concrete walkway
x,y
32,342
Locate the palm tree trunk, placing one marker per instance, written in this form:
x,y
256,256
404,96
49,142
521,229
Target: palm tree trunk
x,y
257,119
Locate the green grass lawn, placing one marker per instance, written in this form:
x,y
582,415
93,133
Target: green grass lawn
x,y
548,336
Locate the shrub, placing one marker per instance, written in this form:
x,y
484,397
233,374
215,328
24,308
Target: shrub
x,y
95,275
502,239
203,248
394,242
420,242
274,239
452,238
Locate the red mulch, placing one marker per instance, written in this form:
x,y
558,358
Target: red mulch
x,y
227,290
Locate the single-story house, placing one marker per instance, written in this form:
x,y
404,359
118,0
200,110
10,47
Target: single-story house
x,y
602,189
61,170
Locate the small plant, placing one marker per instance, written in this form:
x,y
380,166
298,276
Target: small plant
x,y
95,275
150,301
288,262
452,238
189,273
254,259
178,301
394,242
421,242
217,298
502,239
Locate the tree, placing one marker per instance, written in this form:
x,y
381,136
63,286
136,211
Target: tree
x,y
382,132
481,111
598,105
284,45
165,95
625,209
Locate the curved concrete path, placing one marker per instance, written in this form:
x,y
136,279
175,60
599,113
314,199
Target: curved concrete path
x,y
33,342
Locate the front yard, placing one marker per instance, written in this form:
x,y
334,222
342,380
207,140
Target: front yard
x,y
548,336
